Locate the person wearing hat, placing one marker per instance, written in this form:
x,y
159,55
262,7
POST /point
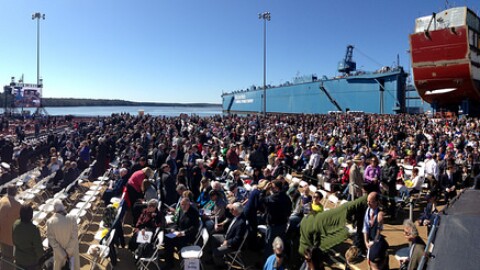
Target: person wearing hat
x,y
9,211
62,234
356,178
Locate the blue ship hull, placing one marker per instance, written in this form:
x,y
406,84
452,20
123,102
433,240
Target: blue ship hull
x,y
365,92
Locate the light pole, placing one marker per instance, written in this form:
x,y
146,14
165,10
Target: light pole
x,y
266,17
38,16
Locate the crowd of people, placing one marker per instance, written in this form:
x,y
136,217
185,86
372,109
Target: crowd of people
x,y
228,174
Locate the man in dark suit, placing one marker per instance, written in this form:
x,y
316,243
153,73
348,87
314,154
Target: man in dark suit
x,y
231,240
183,232
448,181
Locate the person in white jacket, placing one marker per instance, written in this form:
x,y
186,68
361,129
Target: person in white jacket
x,y
62,234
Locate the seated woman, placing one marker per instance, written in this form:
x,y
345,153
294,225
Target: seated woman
x,y
205,189
149,193
214,211
150,219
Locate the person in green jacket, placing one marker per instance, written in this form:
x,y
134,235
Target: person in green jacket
x,y
27,240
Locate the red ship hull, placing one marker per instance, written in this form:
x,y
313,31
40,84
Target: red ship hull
x,y
442,67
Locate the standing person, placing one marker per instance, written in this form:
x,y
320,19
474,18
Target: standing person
x,y
372,228
134,184
27,240
276,260
388,184
168,184
9,213
372,175
356,178
62,234
232,157
278,208
417,245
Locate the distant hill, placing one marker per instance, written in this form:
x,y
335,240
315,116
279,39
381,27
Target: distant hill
x,y
73,102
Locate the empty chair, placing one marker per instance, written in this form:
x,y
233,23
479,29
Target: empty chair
x,y
196,251
100,252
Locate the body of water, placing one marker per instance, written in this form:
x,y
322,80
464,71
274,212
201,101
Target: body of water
x,y
134,110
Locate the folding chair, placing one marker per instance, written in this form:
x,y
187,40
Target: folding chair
x,y
235,257
143,263
103,250
196,251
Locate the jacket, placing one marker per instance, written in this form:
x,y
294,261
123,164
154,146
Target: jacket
x,y
62,234
9,213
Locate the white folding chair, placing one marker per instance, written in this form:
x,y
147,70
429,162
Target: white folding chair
x,y
235,257
103,250
196,251
143,263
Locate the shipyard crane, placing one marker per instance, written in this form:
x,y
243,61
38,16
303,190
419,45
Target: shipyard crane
x,y
347,65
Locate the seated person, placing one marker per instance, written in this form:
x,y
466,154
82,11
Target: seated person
x,y
317,206
412,187
149,220
149,192
237,194
231,240
205,189
117,188
429,212
183,231
214,211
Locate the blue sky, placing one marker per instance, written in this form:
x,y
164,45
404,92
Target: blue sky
x,y
192,50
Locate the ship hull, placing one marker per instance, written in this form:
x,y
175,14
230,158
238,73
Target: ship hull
x,y
354,93
446,62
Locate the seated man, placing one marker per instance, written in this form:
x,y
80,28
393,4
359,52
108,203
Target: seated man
x,y
231,240
183,231
149,220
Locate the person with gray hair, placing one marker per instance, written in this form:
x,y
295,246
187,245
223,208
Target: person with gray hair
x,y
116,188
233,237
275,261
62,234
9,213
149,220
417,245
